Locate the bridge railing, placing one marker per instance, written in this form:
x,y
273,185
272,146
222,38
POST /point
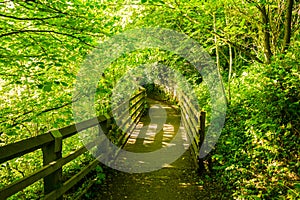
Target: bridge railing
x,y
51,145
194,124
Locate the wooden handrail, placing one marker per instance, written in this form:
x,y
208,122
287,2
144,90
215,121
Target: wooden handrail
x,y
194,125
22,147
55,194
39,174
51,145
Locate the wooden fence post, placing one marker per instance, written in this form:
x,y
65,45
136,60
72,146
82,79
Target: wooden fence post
x,y
202,136
104,128
53,152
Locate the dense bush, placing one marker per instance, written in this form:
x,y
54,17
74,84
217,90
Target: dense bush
x,y
258,153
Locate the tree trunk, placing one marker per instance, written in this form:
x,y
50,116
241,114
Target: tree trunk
x,y
266,31
287,25
229,74
216,43
218,54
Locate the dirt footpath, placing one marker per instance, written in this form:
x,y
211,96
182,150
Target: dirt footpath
x,y
177,180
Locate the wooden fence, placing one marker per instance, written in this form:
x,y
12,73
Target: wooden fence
x,y
194,124
51,144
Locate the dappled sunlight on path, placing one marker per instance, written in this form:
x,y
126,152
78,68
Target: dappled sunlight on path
x,y
177,180
156,130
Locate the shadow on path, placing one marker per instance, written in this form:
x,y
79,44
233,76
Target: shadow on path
x,y
177,180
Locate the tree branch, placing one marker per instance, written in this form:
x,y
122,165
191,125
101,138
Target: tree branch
x,y
17,122
41,112
45,31
237,46
29,18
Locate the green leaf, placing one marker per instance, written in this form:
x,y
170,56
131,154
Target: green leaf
x,y
47,87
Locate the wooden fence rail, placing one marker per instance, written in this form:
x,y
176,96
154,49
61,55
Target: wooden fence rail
x,y
51,144
194,124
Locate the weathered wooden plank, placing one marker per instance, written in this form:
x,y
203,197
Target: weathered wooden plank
x,y
86,188
194,144
140,105
185,115
140,93
142,90
191,115
20,148
193,120
191,107
71,182
193,138
53,180
192,124
57,140
194,156
202,136
136,100
137,106
124,114
123,139
73,129
131,111
39,174
120,106
202,128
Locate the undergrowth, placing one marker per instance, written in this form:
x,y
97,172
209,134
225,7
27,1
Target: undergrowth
x,y
257,155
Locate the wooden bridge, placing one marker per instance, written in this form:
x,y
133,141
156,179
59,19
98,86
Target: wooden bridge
x,y
135,138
